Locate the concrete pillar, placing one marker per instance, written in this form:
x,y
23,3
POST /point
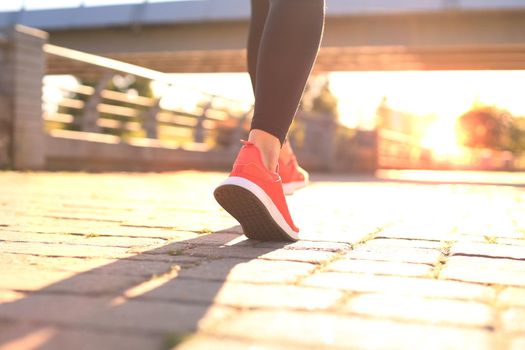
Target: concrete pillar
x,y
198,130
22,68
91,114
150,123
5,105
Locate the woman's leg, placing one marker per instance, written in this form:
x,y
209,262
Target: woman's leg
x,y
283,44
259,14
258,19
284,40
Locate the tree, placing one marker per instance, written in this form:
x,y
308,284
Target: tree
x,y
325,102
517,136
319,99
485,127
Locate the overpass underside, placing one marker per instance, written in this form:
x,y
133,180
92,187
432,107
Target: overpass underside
x,y
476,40
502,57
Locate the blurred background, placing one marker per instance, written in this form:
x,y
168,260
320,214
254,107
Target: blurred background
x,y
162,85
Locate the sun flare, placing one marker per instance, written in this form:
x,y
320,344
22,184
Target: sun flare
x,y
446,94
441,139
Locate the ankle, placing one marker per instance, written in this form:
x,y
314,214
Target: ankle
x,y
268,145
286,154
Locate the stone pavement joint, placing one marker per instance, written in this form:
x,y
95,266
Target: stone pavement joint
x,y
150,261
443,259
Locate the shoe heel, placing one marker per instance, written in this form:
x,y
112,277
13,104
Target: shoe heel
x,y
255,219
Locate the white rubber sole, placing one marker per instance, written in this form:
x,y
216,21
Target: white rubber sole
x,y
241,214
291,187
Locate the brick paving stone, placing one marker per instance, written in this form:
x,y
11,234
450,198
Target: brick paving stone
x,y
511,297
487,263
161,317
336,235
481,233
174,249
136,267
66,250
7,296
354,282
205,242
405,243
50,337
513,320
132,267
29,272
223,238
421,232
425,310
466,275
245,295
87,227
29,280
309,256
512,242
395,254
91,240
25,279
487,249
326,331
217,240
380,267
53,226
173,257
113,314
476,238
206,342
307,245
52,308
473,272
251,271
517,343
195,222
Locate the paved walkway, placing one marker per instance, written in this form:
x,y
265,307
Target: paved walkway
x,y
148,261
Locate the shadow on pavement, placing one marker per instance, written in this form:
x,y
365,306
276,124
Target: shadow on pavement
x,y
101,308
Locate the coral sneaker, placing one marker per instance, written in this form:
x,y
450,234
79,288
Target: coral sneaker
x,y
254,196
292,175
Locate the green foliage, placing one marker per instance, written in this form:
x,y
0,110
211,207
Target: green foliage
x,y
126,84
120,83
130,83
325,102
492,128
319,99
517,136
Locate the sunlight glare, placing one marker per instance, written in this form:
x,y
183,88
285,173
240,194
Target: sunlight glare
x,y
441,138
447,94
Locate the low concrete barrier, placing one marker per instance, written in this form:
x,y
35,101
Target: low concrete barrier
x,y
22,68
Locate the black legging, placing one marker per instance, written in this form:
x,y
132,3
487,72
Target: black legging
x,y
283,43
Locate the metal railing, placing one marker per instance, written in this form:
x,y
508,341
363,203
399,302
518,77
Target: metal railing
x,y
199,120
399,150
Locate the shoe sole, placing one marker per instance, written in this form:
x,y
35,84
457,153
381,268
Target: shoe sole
x,y
253,209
